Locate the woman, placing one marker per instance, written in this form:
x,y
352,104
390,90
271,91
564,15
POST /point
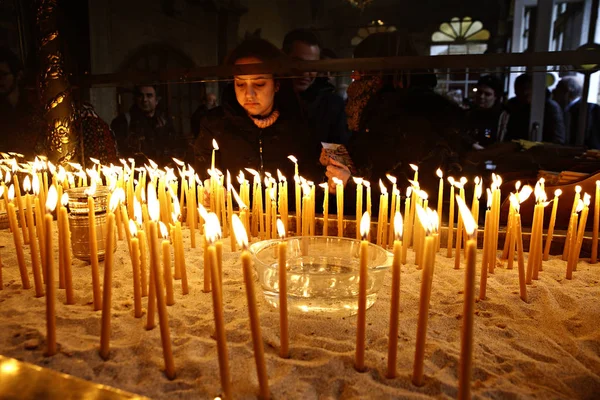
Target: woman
x,y
258,124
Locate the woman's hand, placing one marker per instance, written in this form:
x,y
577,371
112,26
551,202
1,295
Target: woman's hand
x,y
337,170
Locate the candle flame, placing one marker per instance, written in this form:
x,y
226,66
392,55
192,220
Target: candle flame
x,y
115,199
179,162
153,204
203,212
451,180
7,177
408,192
95,160
240,232
324,185
478,190
358,181
26,184
91,190
424,219
463,180
215,145
514,202
557,192
414,167
577,189
467,218
391,178
305,190
64,200
293,159
153,165
524,194
229,181
367,184
365,225
414,184
398,228
11,192
423,194
489,197
435,219
280,176
477,180
586,199
280,229
579,206
238,200
137,211
598,183
382,187
52,199
164,232
132,228
337,181
439,173
212,228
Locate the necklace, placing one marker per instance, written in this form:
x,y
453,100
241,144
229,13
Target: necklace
x,y
266,122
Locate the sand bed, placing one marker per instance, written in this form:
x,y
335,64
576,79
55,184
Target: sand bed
x,y
547,348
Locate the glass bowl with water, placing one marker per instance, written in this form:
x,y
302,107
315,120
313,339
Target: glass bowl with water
x,y
322,273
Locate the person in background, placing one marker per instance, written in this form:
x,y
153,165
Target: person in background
x,y
145,130
568,95
484,117
515,119
328,54
324,109
21,117
258,124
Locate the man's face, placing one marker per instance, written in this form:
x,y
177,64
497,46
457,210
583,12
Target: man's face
x,y
560,94
485,97
523,93
304,52
8,82
146,99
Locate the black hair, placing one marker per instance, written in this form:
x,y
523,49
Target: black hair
x,y
254,47
300,35
523,80
10,58
137,89
493,82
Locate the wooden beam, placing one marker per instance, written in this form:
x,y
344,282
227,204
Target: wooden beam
x,y
286,67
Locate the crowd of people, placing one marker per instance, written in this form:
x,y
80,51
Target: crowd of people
x,y
385,121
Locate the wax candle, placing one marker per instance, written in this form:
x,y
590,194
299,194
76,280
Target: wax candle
x,y
143,261
459,229
51,349
395,298
35,261
359,205
594,258
426,279
93,244
367,185
166,263
39,224
268,210
163,317
232,241
451,217
24,230
14,226
484,269
325,187
339,196
179,240
298,193
573,208
382,220
212,232
407,224
135,265
391,232
66,232
571,240
466,343
440,203
416,169
284,351
359,359
257,341
107,285
580,231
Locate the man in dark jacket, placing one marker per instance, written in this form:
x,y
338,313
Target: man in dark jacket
x,y
568,95
145,130
323,108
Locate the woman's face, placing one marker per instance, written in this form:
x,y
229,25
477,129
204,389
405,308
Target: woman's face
x,y
256,93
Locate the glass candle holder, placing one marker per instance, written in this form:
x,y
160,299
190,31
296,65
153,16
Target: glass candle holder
x,y
79,221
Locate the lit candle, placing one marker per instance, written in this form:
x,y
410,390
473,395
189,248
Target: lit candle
x,y
325,187
426,278
416,169
573,208
594,258
39,221
163,316
51,201
14,226
391,233
257,341
486,246
93,244
459,228
215,148
66,232
135,265
395,298
367,185
440,204
35,261
212,232
509,237
166,263
21,208
382,220
495,222
298,192
574,258
451,217
359,205
359,359
108,267
407,224
571,240
284,351
466,343
535,234
339,196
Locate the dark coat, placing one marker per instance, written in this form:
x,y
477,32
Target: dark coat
x,y
592,132
482,124
518,122
243,145
326,113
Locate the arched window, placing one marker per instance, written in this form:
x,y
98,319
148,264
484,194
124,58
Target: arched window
x,y
373,27
459,36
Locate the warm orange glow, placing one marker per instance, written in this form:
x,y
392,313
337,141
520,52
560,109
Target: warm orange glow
x,y
153,204
365,225
215,145
409,191
398,227
424,218
203,212
280,229
27,184
324,185
467,218
557,192
439,173
64,200
382,187
293,159
577,189
367,184
132,228
52,199
337,181
586,199
35,184
280,176
579,206
164,232
478,189
240,232
451,180
463,180
212,228
525,193
514,202
117,196
489,197
423,195
11,192
391,178
414,167
358,181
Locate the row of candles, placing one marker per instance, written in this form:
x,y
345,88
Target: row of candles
x,y
146,214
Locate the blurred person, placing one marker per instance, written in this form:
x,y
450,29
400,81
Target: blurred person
x,y
567,94
145,130
483,119
323,108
